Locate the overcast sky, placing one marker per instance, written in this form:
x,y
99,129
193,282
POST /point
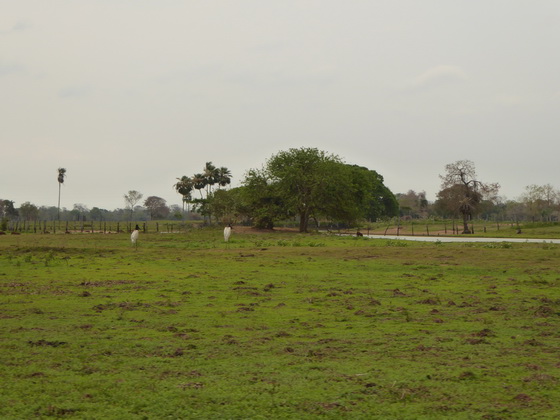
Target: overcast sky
x,y
132,94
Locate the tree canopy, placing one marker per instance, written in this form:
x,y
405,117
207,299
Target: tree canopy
x,y
261,200
305,179
157,207
312,184
184,186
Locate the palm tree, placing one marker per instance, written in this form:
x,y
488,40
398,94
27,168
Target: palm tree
x,y
61,175
199,182
184,187
210,175
223,177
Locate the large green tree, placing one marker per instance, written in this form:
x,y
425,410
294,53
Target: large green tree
x,y
261,201
313,184
380,201
348,194
306,179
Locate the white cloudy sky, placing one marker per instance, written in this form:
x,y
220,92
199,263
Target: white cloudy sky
x,y
131,94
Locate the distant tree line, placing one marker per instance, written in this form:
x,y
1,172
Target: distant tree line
x,y
80,212
309,188
463,196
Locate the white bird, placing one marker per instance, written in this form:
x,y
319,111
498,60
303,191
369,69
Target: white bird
x,y
134,236
227,232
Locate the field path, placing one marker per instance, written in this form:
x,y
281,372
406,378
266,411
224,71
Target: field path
x,y
461,239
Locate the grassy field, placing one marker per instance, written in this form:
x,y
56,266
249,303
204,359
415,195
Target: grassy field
x,y
481,228
276,325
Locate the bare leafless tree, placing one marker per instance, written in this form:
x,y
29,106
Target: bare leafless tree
x,y
461,175
131,199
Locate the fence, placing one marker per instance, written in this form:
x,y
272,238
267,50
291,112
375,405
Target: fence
x,y
55,226
432,228
403,228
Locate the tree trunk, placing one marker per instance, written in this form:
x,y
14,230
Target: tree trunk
x,y
303,221
59,184
264,223
466,229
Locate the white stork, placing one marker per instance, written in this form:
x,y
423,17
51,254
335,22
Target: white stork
x,y
227,232
134,236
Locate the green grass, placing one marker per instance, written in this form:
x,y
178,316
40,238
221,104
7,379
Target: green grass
x,y
276,325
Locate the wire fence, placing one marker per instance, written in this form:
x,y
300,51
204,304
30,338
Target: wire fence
x,y
439,228
392,228
55,226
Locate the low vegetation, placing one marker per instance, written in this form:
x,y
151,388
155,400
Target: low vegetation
x,y
276,325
